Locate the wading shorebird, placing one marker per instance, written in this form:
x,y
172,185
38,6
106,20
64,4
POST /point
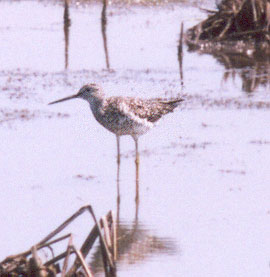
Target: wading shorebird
x,y
124,115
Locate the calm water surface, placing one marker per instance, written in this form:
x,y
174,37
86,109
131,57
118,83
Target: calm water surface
x,y
204,205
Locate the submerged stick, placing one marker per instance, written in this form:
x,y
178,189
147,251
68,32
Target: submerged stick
x,y
114,235
89,242
38,247
180,54
35,266
103,244
106,229
86,247
65,265
66,223
84,265
56,259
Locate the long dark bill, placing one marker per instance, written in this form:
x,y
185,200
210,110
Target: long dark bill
x,y
64,99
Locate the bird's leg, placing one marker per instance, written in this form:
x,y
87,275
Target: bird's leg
x,y
118,149
137,159
118,170
137,162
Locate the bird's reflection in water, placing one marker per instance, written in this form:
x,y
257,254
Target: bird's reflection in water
x,y
136,244
137,164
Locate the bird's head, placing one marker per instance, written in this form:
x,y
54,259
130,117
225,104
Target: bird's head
x,y
86,92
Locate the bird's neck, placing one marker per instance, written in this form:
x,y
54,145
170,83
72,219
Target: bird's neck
x,y
95,101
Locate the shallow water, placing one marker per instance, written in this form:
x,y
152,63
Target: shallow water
x,y
204,170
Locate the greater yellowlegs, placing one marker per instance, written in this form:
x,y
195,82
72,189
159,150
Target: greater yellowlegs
x,y
124,115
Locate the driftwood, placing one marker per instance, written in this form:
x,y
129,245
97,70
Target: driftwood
x,y
29,263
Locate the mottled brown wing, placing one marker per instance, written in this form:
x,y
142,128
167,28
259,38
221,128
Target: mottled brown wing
x,y
113,110
152,109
